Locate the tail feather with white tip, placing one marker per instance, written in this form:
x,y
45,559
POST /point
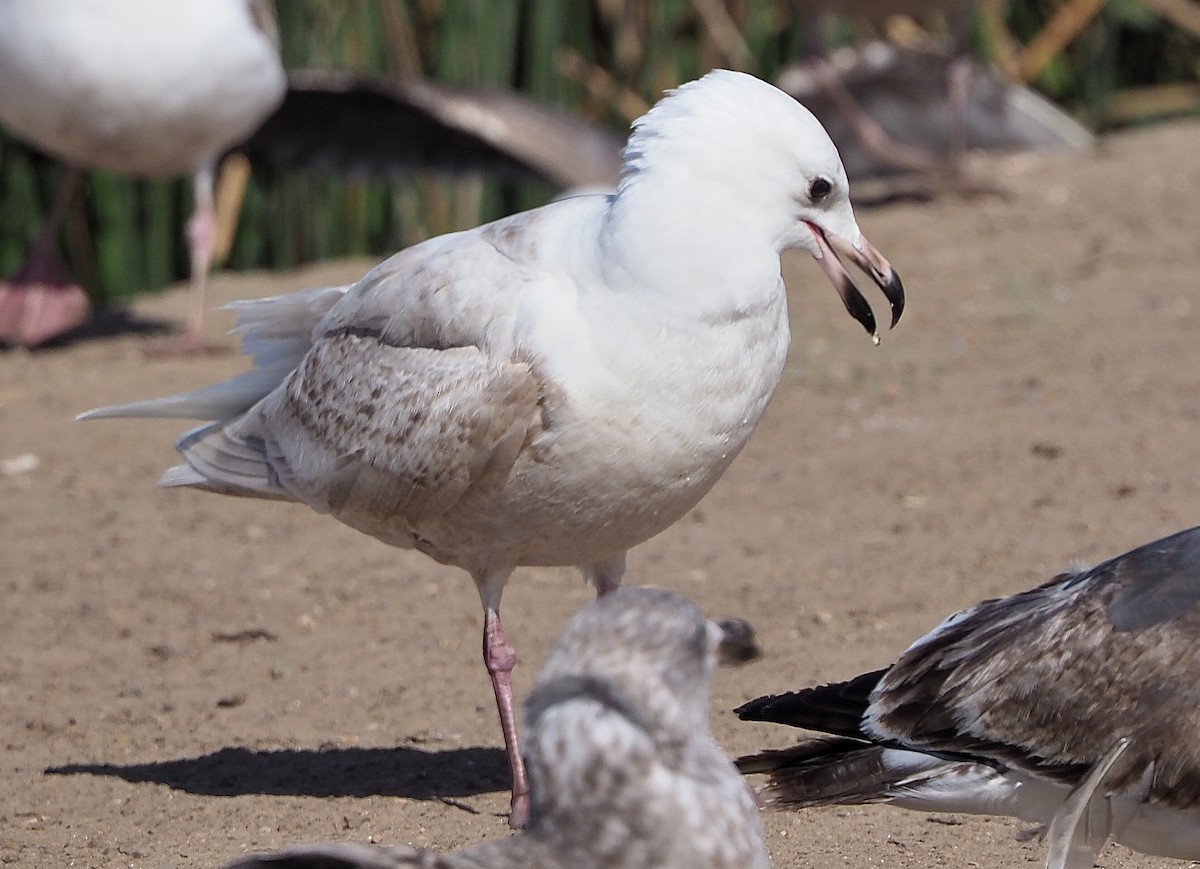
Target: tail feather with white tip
x,y
275,332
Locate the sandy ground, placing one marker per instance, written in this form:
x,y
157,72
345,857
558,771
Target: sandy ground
x,y
185,677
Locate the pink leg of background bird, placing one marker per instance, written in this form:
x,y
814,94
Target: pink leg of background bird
x,y
41,301
201,236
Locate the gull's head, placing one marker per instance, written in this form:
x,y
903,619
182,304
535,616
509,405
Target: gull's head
x,y
747,151
653,649
624,689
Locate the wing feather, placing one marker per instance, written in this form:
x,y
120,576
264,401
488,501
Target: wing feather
x,y
362,428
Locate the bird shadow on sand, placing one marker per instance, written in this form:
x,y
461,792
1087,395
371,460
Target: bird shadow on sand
x,y
335,772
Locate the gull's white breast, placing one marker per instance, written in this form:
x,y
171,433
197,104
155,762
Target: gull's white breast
x,y
614,411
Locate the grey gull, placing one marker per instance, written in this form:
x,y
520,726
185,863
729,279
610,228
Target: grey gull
x,y
555,387
624,772
902,89
1075,705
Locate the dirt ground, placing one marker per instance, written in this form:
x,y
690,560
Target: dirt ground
x,y
185,677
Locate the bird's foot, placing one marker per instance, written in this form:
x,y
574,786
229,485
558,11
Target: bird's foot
x,y
37,309
518,814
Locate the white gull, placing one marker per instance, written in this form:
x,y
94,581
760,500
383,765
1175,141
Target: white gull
x,y
555,387
624,771
1075,705
138,87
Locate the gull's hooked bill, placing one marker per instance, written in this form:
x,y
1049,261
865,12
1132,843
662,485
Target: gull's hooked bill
x,y
871,261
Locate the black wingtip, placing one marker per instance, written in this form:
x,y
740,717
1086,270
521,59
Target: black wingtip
x,y
753,710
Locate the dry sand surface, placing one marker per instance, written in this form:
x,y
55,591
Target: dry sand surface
x,y
185,677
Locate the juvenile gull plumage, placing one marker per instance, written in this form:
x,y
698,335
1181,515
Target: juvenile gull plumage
x,y
623,769
1075,705
555,387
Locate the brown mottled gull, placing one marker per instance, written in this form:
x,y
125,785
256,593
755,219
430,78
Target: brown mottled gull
x,y
623,769
1075,705
557,386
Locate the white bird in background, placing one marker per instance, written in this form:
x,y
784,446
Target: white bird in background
x,y
624,771
1075,705
138,87
144,88
555,387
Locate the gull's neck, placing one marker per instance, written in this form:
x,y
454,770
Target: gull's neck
x,y
679,234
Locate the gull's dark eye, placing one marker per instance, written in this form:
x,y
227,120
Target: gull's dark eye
x,y
819,189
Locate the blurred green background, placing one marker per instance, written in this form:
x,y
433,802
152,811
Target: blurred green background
x,y
125,237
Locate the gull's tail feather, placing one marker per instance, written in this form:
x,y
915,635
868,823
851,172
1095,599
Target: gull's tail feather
x,y
276,333
220,459
221,401
835,771
823,771
280,328
837,708
180,475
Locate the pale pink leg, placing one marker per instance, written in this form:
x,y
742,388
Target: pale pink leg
x,y
201,237
41,301
500,657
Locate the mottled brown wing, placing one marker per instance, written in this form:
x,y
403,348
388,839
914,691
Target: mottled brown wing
x,y
1053,677
362,427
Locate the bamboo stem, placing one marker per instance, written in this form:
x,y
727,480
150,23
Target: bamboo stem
x,y
1068,22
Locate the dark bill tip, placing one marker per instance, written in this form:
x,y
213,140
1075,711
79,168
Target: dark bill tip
x,y
857,307
738,644
866,257
894,290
